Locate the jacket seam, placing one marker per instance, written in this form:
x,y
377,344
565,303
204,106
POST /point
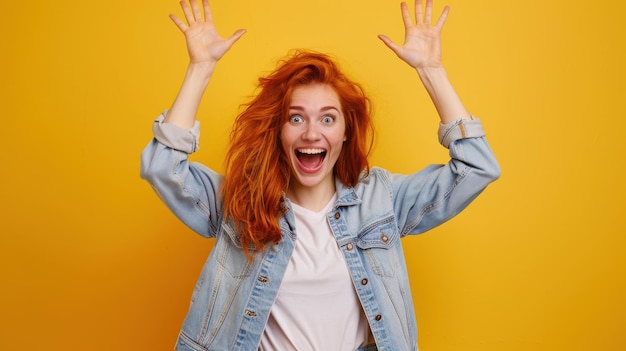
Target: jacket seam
x,y
434,205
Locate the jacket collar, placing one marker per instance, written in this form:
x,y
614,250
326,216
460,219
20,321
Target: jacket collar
x,y
346,196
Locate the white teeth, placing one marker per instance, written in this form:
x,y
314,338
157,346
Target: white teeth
x,y
311,151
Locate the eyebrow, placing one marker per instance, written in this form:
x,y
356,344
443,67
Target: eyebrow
x,y
325,108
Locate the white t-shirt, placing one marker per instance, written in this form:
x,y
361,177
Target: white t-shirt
x,y
317,307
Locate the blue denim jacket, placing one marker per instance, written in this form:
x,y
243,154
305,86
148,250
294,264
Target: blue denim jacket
x,y
233,296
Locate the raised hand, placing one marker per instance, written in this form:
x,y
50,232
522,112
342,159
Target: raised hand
x,y
205,47
204,44
422,40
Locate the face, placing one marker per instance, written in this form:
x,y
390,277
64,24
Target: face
x,y
313,136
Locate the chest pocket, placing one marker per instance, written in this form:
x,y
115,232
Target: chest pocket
x,y
229,254
378,242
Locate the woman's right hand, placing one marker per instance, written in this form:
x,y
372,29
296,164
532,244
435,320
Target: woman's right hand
x,y
205,47
204,44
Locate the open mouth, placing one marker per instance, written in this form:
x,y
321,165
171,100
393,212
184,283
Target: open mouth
x,y
310,159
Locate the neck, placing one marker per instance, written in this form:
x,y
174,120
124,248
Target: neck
x,y
312,198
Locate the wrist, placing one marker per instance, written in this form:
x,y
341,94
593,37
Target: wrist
x,y
202,67
433,78
200,71
431,72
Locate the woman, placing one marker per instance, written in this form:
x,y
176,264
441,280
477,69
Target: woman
x,y
307,253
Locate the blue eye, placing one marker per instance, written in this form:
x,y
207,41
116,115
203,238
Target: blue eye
x,y
296,119
328,119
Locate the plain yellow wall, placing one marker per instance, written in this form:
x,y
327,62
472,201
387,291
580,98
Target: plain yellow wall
x,y
91,260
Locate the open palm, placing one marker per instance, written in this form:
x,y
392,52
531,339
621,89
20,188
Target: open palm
x,y
204,44
422,40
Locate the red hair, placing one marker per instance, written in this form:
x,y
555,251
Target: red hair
x,y
256,169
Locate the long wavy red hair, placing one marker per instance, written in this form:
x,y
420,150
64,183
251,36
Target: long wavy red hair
x,y
257,173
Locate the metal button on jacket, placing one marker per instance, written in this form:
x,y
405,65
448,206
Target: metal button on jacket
x,y
384,237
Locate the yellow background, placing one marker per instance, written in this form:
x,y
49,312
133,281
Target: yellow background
x,y
91,259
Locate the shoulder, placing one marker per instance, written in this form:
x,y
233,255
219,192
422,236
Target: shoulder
x,y
376,180
375,174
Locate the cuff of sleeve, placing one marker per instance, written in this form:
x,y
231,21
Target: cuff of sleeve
x,y
460,129
175,137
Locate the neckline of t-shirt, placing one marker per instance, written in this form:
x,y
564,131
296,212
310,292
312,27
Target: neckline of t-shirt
x,y
297,209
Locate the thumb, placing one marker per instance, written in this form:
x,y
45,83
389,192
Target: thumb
x,y
390,44
233,38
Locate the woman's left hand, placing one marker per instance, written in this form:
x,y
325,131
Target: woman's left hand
x,y
422,40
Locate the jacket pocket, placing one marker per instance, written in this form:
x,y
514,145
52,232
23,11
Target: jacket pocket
x,y
230,255
377,242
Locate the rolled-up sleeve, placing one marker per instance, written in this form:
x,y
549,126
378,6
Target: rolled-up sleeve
x,y
460,129
189,189
430,197
170,135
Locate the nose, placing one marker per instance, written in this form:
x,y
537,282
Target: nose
x,y
311,132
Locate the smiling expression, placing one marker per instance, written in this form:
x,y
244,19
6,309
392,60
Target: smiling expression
x,y
313,136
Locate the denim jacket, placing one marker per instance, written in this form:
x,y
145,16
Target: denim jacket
x,y
233,296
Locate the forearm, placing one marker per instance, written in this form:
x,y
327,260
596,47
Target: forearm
x,y
443,95
185,107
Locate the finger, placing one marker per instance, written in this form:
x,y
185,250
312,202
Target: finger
x,y
429,11
196,10
187,11
418,11
208,16
233,38
179,23
406,16
442,19
390,44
